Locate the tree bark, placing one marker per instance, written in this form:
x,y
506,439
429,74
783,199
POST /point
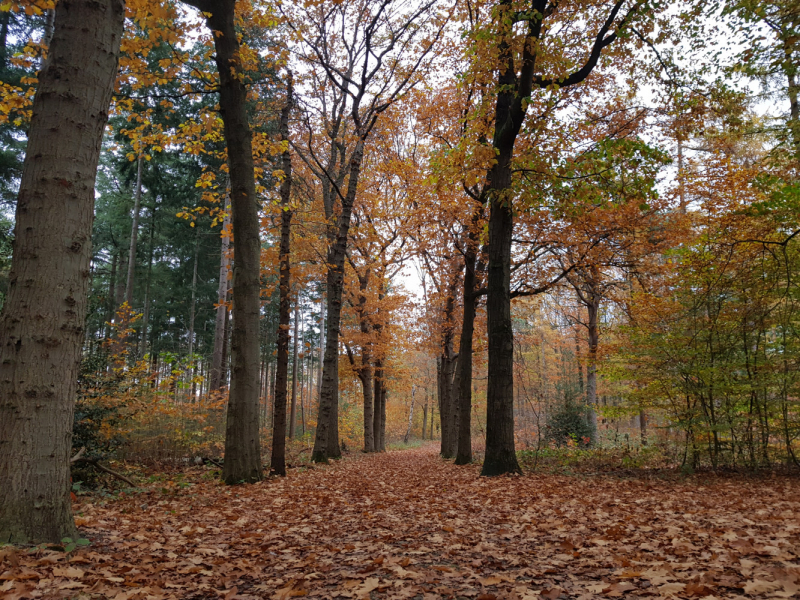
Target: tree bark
x,y
242,444
112,283
137,202
146,316
278,458
42,325
425,416
192,364
593,308
464,366
448,411
218,356
326,442
376,406
510,109
410,417
292,433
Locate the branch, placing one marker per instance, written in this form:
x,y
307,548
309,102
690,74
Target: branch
x,y
600,42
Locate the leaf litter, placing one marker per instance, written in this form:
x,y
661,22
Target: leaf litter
x,y
407,524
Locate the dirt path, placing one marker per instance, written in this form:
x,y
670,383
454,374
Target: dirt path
x,y
409,525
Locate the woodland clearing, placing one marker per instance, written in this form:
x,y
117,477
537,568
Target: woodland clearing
x,y
407,524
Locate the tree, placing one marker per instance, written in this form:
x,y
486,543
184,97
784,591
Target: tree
x,y
42,325
360,53
278,457
242,444
516,79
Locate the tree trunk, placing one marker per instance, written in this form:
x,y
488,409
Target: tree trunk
x,y
111,308
146,316
218,357
137,202
326,442
381,447
410,417
366,374
41,328
501,454
376,405
191,313
425,416
591,368
448,412
278,459
292,433
242,445
464,366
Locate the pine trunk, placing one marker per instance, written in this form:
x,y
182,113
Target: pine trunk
x,y
137,202
41,329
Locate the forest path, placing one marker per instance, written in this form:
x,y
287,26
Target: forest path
x,y
409,525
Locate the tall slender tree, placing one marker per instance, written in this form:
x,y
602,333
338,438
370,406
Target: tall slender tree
x,y
242,444
516,79
278,458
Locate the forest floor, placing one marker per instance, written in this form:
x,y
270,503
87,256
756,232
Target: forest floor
x,y
407,524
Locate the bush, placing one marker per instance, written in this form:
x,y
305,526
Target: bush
x,y
571,422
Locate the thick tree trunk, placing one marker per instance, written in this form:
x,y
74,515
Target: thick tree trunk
x,y
137,202
510,108
218,357
326,442
278,459
41,328
242,444
500,455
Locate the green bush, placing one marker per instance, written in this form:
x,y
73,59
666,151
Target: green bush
x,y
571,421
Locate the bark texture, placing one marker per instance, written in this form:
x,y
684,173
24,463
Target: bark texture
x,y
292,432
242,445
218,356
41,329
464,366
278,458
326,442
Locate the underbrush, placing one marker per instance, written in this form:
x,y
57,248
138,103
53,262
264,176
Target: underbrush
x,y
597,459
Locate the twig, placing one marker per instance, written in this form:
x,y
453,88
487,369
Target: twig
x,y
78,455
97,465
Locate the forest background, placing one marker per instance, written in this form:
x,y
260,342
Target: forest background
x,y
648,221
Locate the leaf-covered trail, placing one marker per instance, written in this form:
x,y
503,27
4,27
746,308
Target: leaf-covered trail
x,y
407,524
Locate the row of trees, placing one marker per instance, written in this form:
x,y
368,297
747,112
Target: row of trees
x,y
334,149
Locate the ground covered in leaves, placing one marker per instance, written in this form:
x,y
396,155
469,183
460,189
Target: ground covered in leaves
x,y
410,525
